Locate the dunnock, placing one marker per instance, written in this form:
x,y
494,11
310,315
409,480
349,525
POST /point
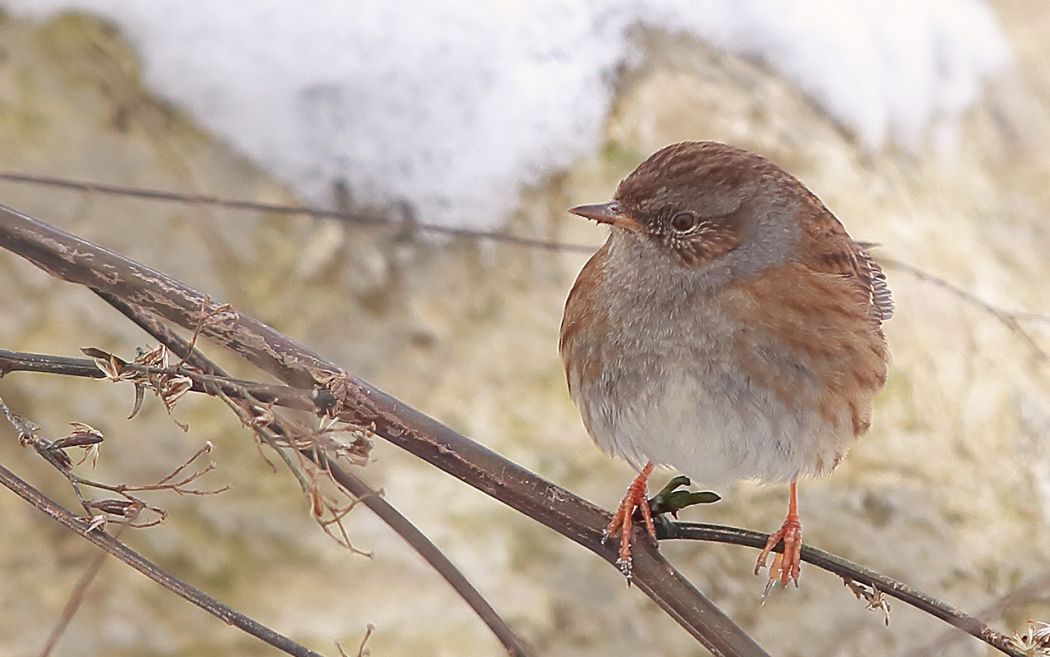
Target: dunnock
x,y
729,328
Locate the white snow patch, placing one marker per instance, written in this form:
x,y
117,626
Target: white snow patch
x,y
453,107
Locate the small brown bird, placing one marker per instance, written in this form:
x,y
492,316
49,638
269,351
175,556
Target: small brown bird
x,y
729,328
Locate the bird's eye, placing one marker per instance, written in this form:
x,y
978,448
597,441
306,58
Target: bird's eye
x,y
683,222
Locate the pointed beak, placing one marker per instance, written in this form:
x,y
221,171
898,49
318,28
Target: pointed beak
x,y
607,213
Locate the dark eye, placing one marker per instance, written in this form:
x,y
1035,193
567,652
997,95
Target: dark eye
x,y
683,222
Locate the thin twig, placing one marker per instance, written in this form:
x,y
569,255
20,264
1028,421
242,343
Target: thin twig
x,y
1009,318
132,558
1037,588
256,206
76,598
126,511
688,531
846,569
282,395
731,535
350,482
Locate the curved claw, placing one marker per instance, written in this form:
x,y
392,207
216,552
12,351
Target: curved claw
x,y
623,522
786,565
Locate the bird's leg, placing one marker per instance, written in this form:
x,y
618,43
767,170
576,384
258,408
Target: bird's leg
x,y
786,565
637,497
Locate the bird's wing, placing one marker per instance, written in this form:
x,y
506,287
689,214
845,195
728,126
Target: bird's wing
x,y
832,251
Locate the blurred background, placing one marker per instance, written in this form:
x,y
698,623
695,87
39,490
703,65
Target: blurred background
x,y
923,125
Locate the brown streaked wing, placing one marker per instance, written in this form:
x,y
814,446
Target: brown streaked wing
x,y
831,250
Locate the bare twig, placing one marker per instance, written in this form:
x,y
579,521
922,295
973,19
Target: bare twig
x,y
348,481
236,204
847,570
1009,318
282,395
149,569
293,398
126,511
76,598
362,651
76,260
210,378
1037,588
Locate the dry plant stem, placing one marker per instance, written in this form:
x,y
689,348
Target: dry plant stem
x,y
1037,588
846,569
114,547
281,395
697,531
353,484
256,206
426,549
73,259
1010,319
76,598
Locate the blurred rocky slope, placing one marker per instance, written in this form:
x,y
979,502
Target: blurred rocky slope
x,y
950,491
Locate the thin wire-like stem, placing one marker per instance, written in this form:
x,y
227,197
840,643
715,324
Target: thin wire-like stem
x,y
353,484
1036,588
846,569
76,598
132,558
1009,318
273,208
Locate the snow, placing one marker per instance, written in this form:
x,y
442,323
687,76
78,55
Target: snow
x,y
452,108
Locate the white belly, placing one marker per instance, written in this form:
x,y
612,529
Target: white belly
x,y
708,422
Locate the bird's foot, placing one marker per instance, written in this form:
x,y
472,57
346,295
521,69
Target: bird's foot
x,y
786,565
623,522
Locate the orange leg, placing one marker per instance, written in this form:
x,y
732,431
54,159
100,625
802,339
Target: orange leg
x,y
637,497
786,565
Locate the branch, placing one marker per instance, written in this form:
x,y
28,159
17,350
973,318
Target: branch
x,y
1011,319
76,598
372,499
121,551
281,395
1034,589
79,261
847,570
273,208
292,398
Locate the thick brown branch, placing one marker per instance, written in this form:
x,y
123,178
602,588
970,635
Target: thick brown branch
x,y
114,547
76,260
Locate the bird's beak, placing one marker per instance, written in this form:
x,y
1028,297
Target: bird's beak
x,y
608,213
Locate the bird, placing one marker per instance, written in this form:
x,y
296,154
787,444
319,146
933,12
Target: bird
x,y
729,328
